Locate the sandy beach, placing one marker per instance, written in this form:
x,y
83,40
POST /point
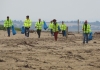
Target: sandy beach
x,y
20,53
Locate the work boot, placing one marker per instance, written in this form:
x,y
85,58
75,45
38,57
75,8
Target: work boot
x,y
8,36
83,43
38,36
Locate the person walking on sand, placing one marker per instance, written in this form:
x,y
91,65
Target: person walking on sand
x,y
55,29
63,28
38,26
86,31
51,28
27,25
8,24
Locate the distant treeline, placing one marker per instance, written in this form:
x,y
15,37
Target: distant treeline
x,y
3,28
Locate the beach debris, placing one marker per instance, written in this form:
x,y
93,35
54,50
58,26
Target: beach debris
x,y
2,60
94,42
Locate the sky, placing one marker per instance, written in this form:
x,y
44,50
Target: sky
x,y
62,10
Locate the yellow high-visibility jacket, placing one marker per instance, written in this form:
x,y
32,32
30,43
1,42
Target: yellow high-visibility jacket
x,y
39,25
63,27
87,30
8,23
27,23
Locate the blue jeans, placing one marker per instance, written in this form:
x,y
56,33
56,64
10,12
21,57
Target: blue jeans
x,y
63,32
8,30
85,38
26,32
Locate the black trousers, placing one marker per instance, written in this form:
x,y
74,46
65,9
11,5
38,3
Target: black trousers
x,y
63,32
39,33
8,31
26,31
51,31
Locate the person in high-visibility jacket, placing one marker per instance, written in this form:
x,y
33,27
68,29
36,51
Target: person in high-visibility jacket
x,y
38,26
27,25
86,31
55,29
51,28
63,28
8,24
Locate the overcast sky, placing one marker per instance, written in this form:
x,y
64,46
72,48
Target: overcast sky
x,y
49,9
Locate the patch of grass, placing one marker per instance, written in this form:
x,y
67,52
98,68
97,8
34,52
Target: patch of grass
x,y
3,28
